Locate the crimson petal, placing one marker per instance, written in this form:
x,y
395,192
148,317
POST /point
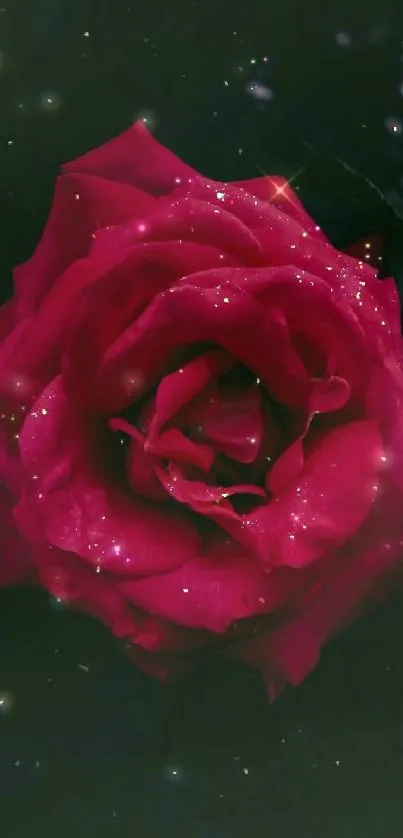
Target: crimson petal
x,y
236,426
125,286
213,590
328,502
83,512
140,465
278,192
174,445
183,385
81,204
211,311
135,157
291,650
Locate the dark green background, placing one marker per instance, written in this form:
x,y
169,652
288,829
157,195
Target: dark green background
x,y
102,750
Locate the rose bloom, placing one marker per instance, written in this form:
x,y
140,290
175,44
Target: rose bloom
x,y
201,400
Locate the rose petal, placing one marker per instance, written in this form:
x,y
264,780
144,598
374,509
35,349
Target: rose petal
x,y
370,248
385,404
212,501
251,210
286,470
236,426
190,221
329,502
81,204
210,312
312,308
107,307
292,649
7,319
329,394
305,251
15,560
182,386
174,445
135,157
32,353
213,590
80,587
165,667
84,511
140,466
277,191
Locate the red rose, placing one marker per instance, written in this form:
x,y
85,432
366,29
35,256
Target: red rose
x,y
201,426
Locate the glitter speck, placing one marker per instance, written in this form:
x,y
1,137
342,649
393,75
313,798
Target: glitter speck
x,y
394,126
49,101
259,91
343,39
6,701
174,773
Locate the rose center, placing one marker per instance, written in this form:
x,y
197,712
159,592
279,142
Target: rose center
x,y
209,433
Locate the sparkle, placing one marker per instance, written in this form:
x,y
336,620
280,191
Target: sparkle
x,y
343,39
149,118
394,126
49,101
6,701
174,773
259,91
